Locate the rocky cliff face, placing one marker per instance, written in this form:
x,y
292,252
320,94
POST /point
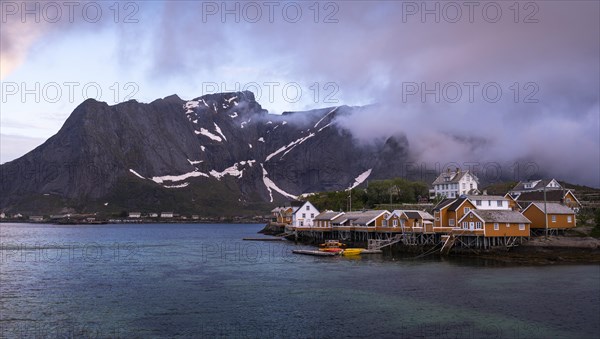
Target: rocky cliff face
x,y
216,154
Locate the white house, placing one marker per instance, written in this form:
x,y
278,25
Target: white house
x,y
135,214
452,184
303,214
166,214
489,202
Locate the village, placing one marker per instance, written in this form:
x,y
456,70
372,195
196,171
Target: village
x,y
464,217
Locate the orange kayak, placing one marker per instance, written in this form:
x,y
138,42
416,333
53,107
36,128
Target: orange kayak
x,y
331,249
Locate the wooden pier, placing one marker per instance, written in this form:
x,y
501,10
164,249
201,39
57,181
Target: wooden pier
x,y
378,238
263,239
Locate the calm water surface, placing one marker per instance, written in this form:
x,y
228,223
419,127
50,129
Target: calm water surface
x,y
202,281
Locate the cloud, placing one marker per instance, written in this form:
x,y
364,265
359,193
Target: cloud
x,y
375,49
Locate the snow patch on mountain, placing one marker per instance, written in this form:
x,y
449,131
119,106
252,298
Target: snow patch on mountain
x,y
176,178
360,179
185,184
219,131
233,170
289,146
195,162
270,185
325,116
190,105
136,174
206,133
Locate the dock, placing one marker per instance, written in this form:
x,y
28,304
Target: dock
x,y
263,239
371,252
315,253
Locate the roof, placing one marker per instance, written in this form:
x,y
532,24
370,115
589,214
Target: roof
x,y
552,208
359,217
414,214
421,215
456,204
328,215
500,216
297,203
485,197
539,185
443,204
452,177
553,195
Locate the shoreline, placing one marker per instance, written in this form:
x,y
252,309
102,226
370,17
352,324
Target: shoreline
x,y
555,250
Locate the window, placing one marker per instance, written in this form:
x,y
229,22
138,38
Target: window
x,y
303,215
465,224
569,218
471,216
521,227
312,215
496,226
478,225
507,225
553,218
307,207
464,185
301,223
467,210
384,223
489,203
471,186
395,222
499,203
451,222
478,202
568,200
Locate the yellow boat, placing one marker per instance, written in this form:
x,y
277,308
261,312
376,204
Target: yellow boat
x,y
352,251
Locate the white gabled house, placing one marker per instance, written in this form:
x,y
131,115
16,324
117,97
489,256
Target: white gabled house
x,y
303,213
452,184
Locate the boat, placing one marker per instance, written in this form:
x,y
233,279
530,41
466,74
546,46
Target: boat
x,y
315,253
352,251
332,243
331,249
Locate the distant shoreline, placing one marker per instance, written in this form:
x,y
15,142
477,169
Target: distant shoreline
x,y
122,222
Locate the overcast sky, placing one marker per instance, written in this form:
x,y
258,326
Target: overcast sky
x,y
489,82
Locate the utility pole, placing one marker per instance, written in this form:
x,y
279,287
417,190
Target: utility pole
x,y
350,208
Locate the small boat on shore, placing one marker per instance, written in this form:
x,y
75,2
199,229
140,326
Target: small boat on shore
x,y
332,244
315,253
352,251
331,249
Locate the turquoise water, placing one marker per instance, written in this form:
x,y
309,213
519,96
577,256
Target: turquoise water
x,y
202,281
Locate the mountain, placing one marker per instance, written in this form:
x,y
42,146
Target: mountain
x,y
219,154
